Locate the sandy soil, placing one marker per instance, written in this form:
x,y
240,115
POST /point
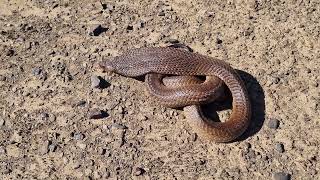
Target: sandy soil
x,y
48,53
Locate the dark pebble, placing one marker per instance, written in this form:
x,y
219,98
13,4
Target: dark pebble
x,y
273,123
10,52
108,7
55,5
280,147
281,176
139,171
97,114
219,41
130,28
96,30
141,24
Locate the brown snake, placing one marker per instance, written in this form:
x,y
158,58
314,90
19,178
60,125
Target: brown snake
x,y
157,62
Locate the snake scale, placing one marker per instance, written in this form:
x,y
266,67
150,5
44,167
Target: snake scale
x,y
178,90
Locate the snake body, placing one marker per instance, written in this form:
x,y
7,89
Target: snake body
x,y
155,62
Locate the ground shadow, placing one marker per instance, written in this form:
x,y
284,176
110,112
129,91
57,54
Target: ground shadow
x,y
103,83
257,100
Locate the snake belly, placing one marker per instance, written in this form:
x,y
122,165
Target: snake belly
x,y
158,61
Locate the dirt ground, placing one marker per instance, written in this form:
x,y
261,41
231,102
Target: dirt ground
x,y
47,72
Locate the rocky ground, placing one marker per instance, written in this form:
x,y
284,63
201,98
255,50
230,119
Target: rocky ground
x,y
55,123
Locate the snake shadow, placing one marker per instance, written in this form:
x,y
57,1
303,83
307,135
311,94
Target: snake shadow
x,y
257,100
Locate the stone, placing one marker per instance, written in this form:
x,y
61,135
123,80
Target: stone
x,y
36,71
162,13
95,81
52,147
10,52
78,136
81,103
273,123
2,122
2,150
281,176
139,171
97,114
279,147
3,78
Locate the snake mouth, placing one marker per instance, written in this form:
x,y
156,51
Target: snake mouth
x,y
106,66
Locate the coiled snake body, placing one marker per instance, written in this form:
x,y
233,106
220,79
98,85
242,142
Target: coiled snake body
x,y
157,62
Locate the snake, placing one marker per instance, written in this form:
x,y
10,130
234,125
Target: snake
x,y
173,76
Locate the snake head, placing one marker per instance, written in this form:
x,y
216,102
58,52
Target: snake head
x,y
106,66
125,66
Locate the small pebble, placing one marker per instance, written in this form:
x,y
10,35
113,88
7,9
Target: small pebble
x,y
97,114
52,147
275,80
281,176
36,71
194,136
10,52
78,136
280,147
142,117
161,13
3,78
273,123
141,24
2,150
130,28
44,116
95,81
139,171
108,7
2,122
81,103
210,14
